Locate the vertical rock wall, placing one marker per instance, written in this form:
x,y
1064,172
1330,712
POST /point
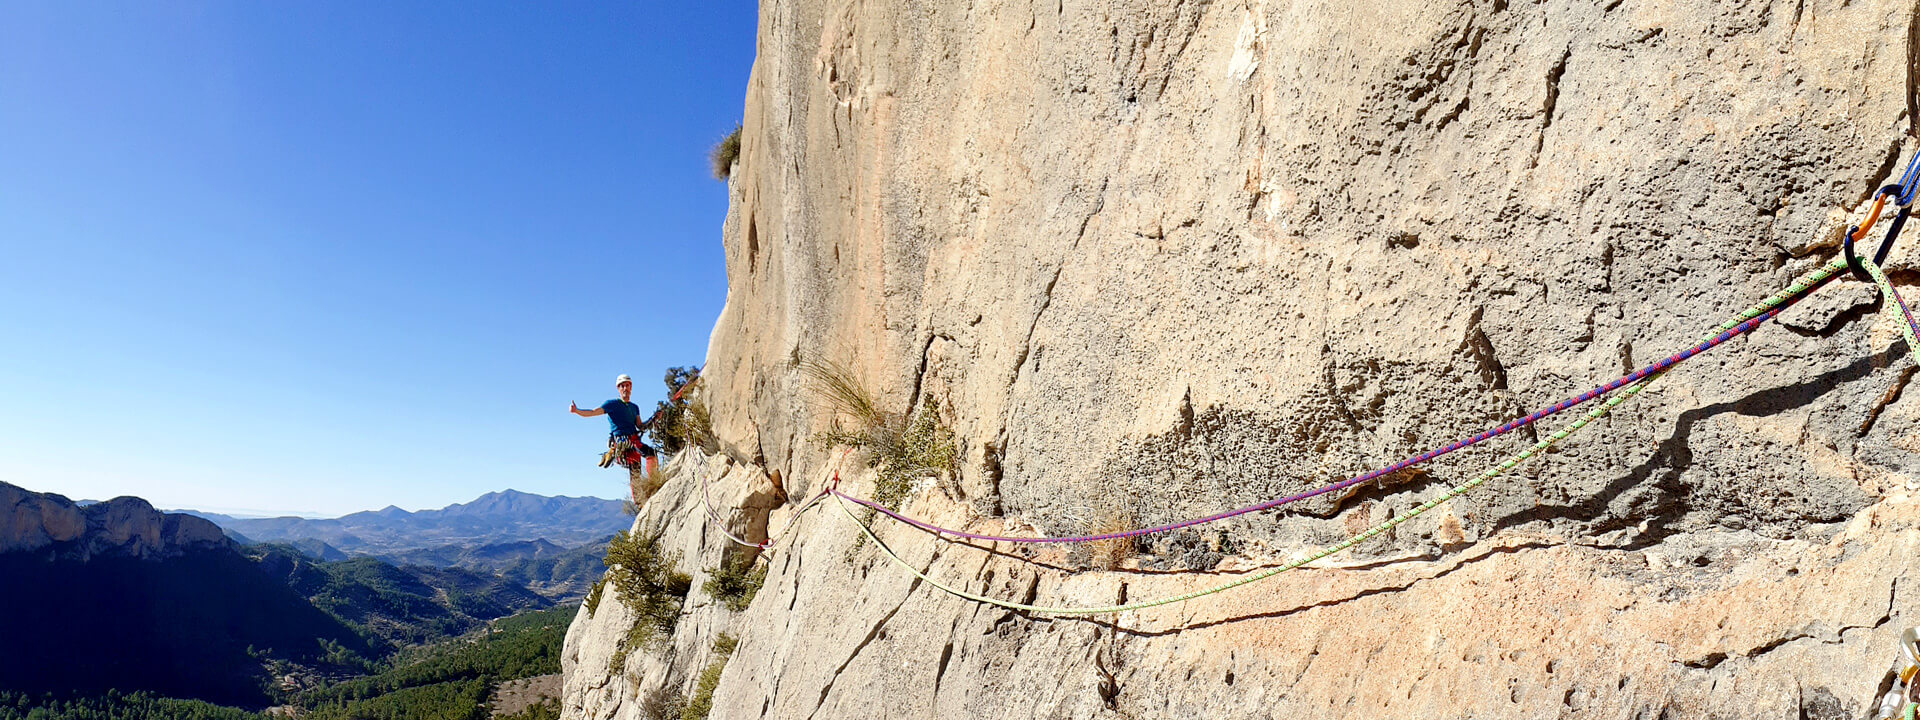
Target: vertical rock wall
x,y
1186,256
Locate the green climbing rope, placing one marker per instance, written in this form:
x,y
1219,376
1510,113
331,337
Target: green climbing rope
x,y
1891,304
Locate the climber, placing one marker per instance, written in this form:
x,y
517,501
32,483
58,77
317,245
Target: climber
x,y
623,444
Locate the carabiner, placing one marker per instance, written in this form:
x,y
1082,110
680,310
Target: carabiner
x,y
1859,232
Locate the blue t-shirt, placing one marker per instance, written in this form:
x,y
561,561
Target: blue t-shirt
x,y
623,415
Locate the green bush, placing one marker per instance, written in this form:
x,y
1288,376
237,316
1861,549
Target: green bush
x,y
668,431
667,704
702,702
724,153
735,583
645,578
592,602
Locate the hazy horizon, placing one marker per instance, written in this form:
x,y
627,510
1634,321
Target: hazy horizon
x,y
258,513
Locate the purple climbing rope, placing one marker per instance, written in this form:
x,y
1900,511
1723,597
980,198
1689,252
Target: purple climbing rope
x,y
1637,375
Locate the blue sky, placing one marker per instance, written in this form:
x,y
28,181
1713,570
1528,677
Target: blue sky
x,y
325,257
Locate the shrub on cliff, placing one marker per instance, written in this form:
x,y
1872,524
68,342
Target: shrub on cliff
x,y
735,583
592,602
900,448
723,155
644,577
669,431
664,704
702,702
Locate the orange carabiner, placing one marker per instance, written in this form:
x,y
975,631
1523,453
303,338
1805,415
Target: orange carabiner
x,y
1859,232
1873,216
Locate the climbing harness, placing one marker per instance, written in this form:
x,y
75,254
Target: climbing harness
x,y
1629,386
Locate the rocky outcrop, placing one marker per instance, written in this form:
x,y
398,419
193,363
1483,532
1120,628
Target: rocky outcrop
x,y
126,526
1177,257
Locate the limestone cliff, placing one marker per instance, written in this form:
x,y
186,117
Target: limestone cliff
x,y
39,523
1194,255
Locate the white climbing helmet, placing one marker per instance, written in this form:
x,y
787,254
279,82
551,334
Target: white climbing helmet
x,y
622,379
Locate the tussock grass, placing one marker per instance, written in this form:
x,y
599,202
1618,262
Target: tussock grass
x,y
644,483
1115,515
899,447
724,154
697,425
844,393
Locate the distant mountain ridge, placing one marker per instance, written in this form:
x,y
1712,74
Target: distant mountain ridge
x,y
559,572
119,595
496,517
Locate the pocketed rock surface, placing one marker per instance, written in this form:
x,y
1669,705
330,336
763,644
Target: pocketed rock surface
x,y
1162,259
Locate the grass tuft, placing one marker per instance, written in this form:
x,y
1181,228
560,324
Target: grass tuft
x,y
900,448
643,483
844,393
1116,516
698,425
724,154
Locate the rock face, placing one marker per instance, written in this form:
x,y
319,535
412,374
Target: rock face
x,y
1169,258
127,526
